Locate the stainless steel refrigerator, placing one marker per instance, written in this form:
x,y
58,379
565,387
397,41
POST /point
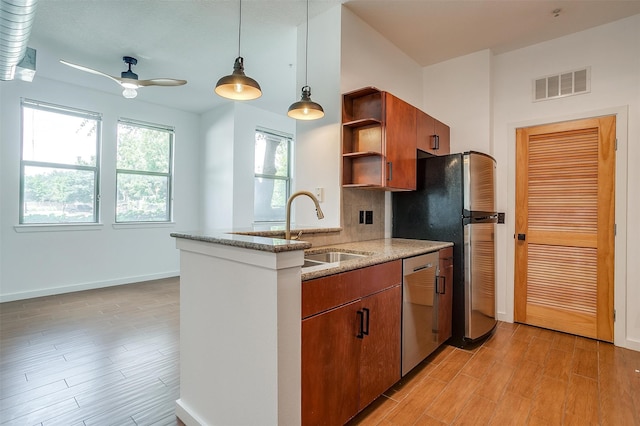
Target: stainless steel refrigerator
x,y
455,201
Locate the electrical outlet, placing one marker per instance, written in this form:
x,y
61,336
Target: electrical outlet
x,y
361,216
368,217
319,193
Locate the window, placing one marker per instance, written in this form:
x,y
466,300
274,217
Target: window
x,y
272,176
59,164
144,172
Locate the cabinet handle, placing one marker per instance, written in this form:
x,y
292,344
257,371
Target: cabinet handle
x,y
443,288
366,311
420,268
390,167
436,142
360,334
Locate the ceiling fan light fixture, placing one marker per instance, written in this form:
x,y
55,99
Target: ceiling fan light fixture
x,y
129,85
129,93
305,108
237,85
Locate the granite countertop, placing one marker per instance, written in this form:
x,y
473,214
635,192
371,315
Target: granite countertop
x,y
378,251
271,240
251,242
375,251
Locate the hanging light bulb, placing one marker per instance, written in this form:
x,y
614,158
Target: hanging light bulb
x,y
129,93
305,108
237,85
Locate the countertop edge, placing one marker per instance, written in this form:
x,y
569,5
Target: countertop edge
x,y
272,245
405,248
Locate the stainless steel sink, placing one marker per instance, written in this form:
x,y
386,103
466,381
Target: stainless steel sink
x,y
312,263
323,259
332,257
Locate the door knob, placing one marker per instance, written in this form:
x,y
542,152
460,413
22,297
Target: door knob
x,y
522,237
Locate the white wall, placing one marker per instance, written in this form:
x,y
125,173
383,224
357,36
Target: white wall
x,y
613,52
369,59
493,98
458,93
216,128
317,147
228,134
40,263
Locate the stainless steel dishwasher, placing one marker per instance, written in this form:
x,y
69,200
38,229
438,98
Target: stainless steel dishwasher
x,y
419,309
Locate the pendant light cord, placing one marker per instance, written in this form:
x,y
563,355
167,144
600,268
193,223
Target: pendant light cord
x,y
306,50
239,27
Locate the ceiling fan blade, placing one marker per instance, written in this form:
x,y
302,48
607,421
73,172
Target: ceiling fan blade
x,y
92,71
162,82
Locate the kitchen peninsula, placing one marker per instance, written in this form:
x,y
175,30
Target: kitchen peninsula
x,y
240,322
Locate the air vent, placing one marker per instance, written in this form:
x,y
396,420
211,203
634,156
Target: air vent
x,y
560,85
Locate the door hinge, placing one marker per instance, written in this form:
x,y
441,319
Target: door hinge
x,y
615,229
616,144
614,315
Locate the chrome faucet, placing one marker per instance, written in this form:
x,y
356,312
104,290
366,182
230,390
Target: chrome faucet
x,y
287,232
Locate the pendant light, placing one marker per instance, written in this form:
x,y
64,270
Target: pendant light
x,y
237,85
305,108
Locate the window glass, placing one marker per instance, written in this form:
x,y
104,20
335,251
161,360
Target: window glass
x,y
272,176
144,172
59,164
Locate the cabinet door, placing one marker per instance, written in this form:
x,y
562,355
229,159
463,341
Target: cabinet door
x,y
444,138
400,144
445,294
330,357
425,130
380,354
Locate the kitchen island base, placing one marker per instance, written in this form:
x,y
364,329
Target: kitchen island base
x,y
239,335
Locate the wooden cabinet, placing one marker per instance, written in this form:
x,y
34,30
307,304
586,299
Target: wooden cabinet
x,y
444,292
432,135
378,141
381,136
350,341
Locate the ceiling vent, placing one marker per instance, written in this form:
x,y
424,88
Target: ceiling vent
x,y
560,85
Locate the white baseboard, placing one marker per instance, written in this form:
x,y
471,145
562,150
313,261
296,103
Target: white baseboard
x,y
85,286
632,344
184,413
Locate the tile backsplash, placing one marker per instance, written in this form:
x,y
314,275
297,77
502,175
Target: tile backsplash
x,y
354,201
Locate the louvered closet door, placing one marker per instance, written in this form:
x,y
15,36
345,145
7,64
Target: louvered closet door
x,y
564,242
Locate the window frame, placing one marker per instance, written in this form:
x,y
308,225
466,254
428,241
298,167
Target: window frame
x,y
288,179
169,175
69,111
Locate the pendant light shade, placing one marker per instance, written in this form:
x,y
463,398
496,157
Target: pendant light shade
x,y
305,108
237,85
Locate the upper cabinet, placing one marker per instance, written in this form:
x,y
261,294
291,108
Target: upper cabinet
x,y
381,138
432,135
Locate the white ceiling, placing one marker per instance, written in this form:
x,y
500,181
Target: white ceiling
x,y
197,40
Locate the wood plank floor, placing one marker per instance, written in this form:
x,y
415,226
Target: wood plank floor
x,y
100,357
520,376
111,357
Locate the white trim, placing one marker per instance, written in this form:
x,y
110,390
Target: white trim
x,y
186,414
136,225
620,264
54,227
85,286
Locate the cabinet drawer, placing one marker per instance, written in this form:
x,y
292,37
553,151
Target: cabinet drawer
x,y
379,277
328,292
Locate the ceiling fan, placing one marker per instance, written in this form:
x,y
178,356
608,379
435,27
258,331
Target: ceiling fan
x,y
128,79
